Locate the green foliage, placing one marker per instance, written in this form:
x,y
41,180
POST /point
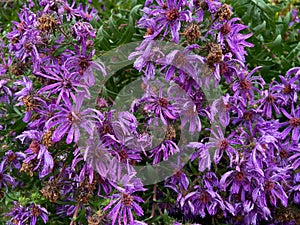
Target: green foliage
x,y
276,42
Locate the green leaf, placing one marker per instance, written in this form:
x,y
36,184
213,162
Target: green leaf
x,y
261,27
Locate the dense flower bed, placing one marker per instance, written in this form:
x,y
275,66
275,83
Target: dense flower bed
x,y
70,156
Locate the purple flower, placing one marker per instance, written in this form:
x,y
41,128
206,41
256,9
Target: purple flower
x,y
63,81
6,90
202,154
245,85
295,157
229,32
203,200
182,60
161,107
179,178
269,102
220,144
223,107
288,87
37,211
147,54
38,150
70,119
271,185
164,151
83,64
14,158
18,214
5,65
167,16
5,178
293,125
125,202
82,31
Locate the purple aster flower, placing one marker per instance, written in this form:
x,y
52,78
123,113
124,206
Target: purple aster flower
x,y
245,85
68,10
189,113
238,180
146,55
295,157
269,102
248,118
164,151
125,202
14,158
183,60
36,211
37,150
86,13
293,125
161,107
288,86
223,107
220,144
201,201
83,64
179,178
18,214
63,82
271,186
296,188
5,179
6,90
82,31
229,32
5,65
70,119
202,154
167,16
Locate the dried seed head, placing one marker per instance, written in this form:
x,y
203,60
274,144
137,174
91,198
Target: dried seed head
x,y
17,68
224,12
83,192
97,218
29,103
47,138
47,23
27,168
51,190
215,54
171,133
192,33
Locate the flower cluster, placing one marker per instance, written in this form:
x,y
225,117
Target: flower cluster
x,y
83,158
